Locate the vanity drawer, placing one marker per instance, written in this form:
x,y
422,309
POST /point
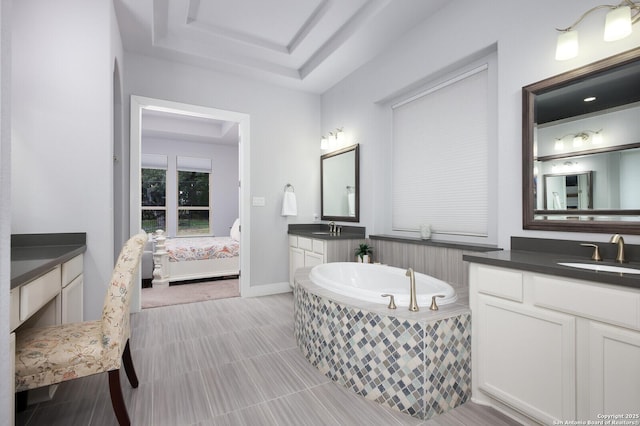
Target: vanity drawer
x,y
39,292
500,282
71,269
293,241
596,301
305,243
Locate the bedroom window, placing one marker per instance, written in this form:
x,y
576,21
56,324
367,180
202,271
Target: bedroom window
x,y
193,203
154,195
194,196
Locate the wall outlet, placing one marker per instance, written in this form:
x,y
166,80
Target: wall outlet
x,y
259,201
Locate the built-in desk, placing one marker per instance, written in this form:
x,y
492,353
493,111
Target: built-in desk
x,y
46,280
44,269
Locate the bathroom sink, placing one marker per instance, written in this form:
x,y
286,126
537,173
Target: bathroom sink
x,y
321,233
601,268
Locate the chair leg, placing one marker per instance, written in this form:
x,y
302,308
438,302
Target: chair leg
x,y
117,400
21,401
128,366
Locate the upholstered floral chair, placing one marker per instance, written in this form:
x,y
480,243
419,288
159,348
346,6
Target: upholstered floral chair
x,y
45,356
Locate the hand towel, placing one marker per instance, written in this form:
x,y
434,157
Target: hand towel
x,y
289,204
351,200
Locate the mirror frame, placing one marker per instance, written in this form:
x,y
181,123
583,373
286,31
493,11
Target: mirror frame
x,y
355,218
528,123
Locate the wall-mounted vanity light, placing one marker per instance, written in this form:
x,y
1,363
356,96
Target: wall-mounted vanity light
x,y
335,136
594,137
567,166
617,26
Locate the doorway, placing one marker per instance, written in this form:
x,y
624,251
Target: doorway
x,y
140,105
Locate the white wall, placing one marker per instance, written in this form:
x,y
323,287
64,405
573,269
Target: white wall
x,y
62,159
6,378
524,34
224,161
285,145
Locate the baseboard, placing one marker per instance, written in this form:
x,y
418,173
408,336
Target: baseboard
x,y
266,289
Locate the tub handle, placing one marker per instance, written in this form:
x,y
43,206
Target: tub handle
x,y
392,302
434,305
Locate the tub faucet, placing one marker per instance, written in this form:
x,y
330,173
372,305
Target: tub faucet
x,y
617,239
413,306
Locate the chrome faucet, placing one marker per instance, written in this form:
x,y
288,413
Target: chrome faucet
x,y
332,227
413,306
617,239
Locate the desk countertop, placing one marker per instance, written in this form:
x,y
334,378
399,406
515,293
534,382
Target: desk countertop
x,y
33,255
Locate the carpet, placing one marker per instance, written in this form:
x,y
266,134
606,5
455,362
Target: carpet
x,y
190,293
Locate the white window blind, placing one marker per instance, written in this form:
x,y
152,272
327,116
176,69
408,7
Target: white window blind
x,y
440,158
154,161
194,164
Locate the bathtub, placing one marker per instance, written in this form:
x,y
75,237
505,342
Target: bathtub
x,y
367,282
418,363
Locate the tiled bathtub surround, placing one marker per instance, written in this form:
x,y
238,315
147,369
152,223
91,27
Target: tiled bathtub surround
x,y
417,363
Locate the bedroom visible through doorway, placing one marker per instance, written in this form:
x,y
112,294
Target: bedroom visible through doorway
x,y
188,161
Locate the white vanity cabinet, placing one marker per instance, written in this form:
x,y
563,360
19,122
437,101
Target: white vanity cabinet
x,y
553,348
305,252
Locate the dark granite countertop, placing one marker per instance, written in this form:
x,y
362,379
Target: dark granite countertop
x,y
320,231
33,255
528,258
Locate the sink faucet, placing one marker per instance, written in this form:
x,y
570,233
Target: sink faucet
x,y
617,239
413,306
332,227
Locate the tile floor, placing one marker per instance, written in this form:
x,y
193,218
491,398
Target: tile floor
x,y
227,362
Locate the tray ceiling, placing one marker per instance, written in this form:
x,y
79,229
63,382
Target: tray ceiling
x,y
304,44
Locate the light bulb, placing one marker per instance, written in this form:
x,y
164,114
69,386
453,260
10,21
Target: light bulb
x,y
324,143
567,46
597,138
617,24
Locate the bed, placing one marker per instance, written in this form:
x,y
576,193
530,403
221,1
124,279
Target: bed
x,y
191,258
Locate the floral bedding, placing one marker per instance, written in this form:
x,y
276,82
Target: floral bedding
x,y
201,248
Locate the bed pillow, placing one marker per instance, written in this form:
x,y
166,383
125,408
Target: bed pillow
x,y
235,230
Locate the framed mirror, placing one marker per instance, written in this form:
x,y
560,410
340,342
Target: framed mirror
x,y
581,133
568,191
340,184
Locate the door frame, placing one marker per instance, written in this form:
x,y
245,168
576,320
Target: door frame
x,y
140,103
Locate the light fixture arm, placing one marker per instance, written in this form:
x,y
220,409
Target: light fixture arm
x,y
635,7
584,15
584,134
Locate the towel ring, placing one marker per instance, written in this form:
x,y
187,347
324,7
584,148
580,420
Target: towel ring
x,y
289,186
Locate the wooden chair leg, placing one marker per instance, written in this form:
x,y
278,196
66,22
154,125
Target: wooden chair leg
x,y
21,401
117,400
128,366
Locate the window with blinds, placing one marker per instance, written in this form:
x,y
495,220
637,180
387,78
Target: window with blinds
x,y
440,157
